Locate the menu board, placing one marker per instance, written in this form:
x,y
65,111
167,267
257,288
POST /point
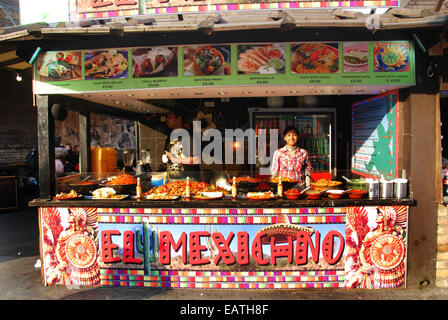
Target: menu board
x,y
219,65
374,136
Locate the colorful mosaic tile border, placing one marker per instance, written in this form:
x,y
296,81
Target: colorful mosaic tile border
x,y
224,285
218,211
222,273
235,7
223,279
273,6
108,14
215,219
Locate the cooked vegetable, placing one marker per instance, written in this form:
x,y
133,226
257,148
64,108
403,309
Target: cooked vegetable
x,y
106,64
64,196
314,58
178,188
355,60
58,70
122,179
209,60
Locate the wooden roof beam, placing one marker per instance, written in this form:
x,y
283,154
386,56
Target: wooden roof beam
x,y
410,13
347,14
287,22
206,26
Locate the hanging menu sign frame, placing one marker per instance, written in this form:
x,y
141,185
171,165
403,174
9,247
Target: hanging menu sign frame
x,y
299,63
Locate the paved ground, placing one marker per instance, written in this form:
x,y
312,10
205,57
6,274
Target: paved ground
x,y
21,280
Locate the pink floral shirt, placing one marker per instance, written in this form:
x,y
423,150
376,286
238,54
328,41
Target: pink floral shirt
x,y
293,167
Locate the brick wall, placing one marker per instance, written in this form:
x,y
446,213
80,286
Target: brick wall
x,y
10,15
18,120
18,123
442,247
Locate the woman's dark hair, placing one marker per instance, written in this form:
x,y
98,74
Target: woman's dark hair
x,y
179,113
290,128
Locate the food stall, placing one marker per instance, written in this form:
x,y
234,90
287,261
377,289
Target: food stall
x,y
112,228
349,230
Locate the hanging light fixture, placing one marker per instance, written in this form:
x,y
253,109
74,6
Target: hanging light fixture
x,y
18,77
310,101
59,112
275,101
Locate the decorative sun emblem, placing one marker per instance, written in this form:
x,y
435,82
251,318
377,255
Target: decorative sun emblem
x,y
387,252
80,251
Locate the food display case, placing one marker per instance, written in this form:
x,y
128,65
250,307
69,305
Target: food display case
x,y
316,128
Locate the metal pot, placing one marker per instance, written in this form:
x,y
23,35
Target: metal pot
x,y
400,188
372,188
386,189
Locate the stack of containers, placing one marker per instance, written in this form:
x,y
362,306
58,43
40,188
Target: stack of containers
x,y
387,189
104,160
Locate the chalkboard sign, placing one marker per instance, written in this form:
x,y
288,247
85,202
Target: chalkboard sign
x,y
374,136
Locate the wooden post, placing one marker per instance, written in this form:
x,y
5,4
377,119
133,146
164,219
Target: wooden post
x,y
438,5
425,179
137,141
45,127
85,160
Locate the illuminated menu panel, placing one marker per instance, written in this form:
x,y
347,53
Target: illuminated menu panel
x,y
220,65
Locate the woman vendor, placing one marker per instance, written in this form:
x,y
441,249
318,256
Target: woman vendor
x,y
291,161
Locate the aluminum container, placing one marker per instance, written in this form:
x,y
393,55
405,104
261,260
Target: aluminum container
x,y
400,188
372,188
386,189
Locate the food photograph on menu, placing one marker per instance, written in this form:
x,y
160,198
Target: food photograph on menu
x,y
391,56
207,60
59,66
356,57
261,59
106,64
154,62
314,57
